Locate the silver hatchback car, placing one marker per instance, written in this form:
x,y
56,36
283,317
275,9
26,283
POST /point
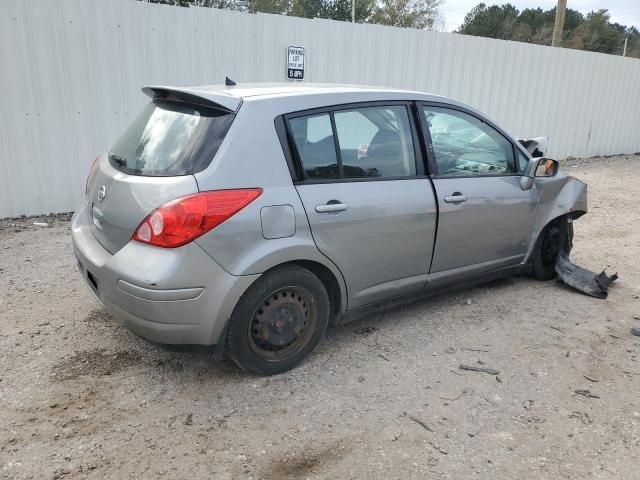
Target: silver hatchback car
x,y
251,217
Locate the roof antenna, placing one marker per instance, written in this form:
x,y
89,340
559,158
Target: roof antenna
x,y
228,82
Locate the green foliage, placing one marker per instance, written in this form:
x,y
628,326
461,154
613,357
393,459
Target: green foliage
x,y
241,5
399,13
494,21
593,32
406,13
281,7
334,10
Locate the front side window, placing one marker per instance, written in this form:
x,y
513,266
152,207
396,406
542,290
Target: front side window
x,y
373,142
170,138
523,160
464,145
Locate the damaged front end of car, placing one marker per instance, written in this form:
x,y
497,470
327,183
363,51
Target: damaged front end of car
x,y
559,195
562,199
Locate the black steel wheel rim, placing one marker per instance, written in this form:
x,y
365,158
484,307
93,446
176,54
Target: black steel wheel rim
x,y
550,247
282,324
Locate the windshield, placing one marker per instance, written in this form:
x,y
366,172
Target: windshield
x,y
170,138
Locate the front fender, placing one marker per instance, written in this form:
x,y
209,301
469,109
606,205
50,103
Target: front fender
x,y
557,196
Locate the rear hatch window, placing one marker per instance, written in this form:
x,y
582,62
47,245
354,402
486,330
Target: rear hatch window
x,y
170,138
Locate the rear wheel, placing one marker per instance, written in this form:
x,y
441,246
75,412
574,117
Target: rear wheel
x,y
556,237
278,321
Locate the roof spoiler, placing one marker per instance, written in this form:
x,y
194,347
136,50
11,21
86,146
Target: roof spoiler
x,y
216,99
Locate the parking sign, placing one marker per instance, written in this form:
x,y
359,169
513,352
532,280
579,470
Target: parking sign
x,y
295,63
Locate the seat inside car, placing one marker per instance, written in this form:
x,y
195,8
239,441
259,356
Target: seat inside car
x,y
385,154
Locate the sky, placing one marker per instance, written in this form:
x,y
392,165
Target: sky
x,y
625,12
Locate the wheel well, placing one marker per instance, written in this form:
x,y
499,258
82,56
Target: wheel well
x,y
328,279
567,217
576,214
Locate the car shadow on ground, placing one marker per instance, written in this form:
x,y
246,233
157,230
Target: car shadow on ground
x,y
131,351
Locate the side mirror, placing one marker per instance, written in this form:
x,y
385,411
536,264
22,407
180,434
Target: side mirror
x,y
546,167
538,167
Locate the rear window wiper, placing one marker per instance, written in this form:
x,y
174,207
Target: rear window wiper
x,y
118,159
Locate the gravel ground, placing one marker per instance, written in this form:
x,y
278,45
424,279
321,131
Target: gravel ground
x,y
381,398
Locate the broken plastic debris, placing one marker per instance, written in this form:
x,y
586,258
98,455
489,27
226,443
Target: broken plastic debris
x,y
583,280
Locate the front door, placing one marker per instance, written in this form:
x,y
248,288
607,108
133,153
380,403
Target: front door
x,y
371,209
485,219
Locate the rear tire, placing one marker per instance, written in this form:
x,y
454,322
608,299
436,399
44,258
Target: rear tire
x,y
279,320
556,237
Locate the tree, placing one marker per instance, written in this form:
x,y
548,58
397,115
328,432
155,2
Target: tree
x,y
341,10
242,5
332,9
633,42
406,13
282,7
593,32
399,13
309,8
494,22
597,34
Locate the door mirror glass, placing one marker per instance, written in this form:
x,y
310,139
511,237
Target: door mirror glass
x,y
546,168
538,167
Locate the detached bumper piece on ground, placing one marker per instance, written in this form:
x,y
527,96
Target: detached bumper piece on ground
x,y
583,280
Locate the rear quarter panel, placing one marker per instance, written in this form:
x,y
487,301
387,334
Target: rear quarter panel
x,y
251,156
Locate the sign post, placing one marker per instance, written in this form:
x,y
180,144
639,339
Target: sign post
x,y
295,63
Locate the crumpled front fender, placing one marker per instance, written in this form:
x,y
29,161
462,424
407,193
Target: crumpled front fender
x,y
557,196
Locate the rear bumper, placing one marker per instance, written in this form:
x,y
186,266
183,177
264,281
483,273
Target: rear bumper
x,y
172,296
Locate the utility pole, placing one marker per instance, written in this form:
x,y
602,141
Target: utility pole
x,y
556,40
353,11
624,51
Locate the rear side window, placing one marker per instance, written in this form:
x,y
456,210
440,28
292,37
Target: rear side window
x,y
169,139
375,142
313,137
368,142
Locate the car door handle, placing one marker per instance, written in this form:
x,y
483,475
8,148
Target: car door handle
x,y
457,197
331,207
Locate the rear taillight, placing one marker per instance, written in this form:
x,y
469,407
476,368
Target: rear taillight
x,y
91,170
182,220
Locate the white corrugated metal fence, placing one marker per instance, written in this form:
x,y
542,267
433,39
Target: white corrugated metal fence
x,y
71,72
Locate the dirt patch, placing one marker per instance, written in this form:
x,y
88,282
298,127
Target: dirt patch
x,y
97,362
99,316
303,463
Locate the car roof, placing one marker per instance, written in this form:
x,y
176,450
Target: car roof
x,y
231,97
286,89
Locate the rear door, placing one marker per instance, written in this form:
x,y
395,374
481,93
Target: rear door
x,y
152,163
485,219
370,206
